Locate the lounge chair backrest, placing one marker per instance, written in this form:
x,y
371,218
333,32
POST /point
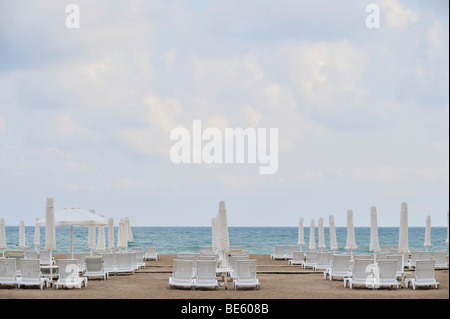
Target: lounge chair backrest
x,y
387,269
30,254
67,269
236,258
206,270
340,262
182,269
425,255
246,269
325,258
134,257
298,255
440,256
31,269
108,261
362,268
45,256
17,257
7,268
94,263
280,250
424,270
124,260
312,256
399,259
290,250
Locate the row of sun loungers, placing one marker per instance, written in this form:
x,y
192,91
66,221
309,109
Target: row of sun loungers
x,y
31,268
374,271
201,270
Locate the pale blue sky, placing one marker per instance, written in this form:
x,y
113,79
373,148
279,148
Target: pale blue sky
x,y
86,114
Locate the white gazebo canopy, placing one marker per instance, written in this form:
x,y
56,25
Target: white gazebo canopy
x,y
75,216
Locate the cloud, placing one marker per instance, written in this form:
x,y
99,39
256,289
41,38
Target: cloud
x,y
397,15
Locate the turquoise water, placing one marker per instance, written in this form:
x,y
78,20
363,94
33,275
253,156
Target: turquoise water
x,y
257,240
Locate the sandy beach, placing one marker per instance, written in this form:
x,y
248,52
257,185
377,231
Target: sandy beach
x,y
278,281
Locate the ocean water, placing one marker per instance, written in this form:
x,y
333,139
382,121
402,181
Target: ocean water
x,y
257,240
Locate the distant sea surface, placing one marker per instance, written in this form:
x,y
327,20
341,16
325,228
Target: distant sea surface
x,y
257,240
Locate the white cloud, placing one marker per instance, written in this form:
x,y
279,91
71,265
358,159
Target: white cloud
x,y
22,160
396,14
327,75
170,58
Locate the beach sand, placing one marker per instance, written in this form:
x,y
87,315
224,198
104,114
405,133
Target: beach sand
x,y
278,281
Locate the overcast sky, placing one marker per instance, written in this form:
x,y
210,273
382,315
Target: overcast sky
x,y
362,114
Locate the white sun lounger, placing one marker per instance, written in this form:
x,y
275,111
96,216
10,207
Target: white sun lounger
x,y
423,275
246,274
361,273
340,267
324,261
182,274
151,254
206,274
280,252
8,271
45,256
387,274
311,260
69,276
109,263
290,251
31,274
440,257
125,262
298,258
94,267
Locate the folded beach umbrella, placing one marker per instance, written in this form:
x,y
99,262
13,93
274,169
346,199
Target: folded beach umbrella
x,y
321,235
50,231
37,234
121,236
129,231
101,241
224,240
111,244
312,236
351,243
2,235
92,232
333,238
427,243
301,234
403,233
374,241
22,238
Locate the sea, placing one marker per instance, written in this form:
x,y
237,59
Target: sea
x,y
257,240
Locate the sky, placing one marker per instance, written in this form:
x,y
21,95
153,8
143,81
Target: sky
x,y
362,113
